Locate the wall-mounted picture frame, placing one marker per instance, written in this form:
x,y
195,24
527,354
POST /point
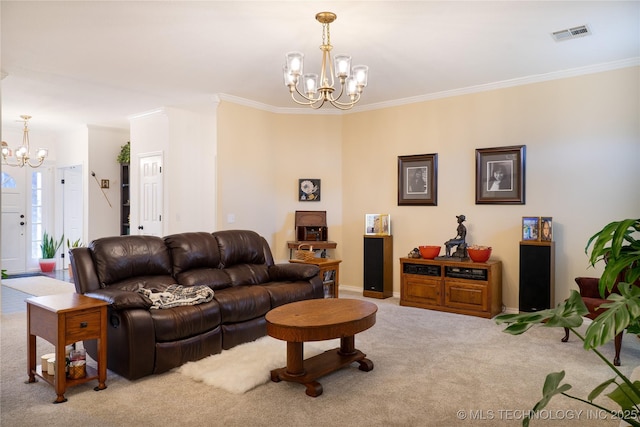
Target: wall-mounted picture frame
x,y
308,190
500,175
546,229
377,224
530,228
418,180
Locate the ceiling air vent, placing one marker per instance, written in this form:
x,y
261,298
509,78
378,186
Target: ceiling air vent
x,y
571,33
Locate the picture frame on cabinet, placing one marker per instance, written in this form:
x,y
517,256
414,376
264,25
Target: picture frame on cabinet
x,y
530,228
418,180
500,175
308,190
546,229
377,224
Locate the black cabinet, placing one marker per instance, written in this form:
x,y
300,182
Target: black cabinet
x,y
537,275
125,193
378,266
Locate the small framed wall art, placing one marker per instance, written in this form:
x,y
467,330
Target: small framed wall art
x,y
500,175
377,224
546,228
308,190
530,227
418,180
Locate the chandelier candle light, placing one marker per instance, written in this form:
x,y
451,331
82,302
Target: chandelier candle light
x,y
355,79
23,153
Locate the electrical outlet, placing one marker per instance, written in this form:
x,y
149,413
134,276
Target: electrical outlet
x,y
104,183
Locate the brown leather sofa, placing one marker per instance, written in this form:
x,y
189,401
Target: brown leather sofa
x,y
236,264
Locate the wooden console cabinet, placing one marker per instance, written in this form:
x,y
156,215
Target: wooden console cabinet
x,y
458,287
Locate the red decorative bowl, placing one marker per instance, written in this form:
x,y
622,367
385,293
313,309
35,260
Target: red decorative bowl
x,y
429,252
479,255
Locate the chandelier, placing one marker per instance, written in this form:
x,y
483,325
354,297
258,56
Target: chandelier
x,y
315,91
23,153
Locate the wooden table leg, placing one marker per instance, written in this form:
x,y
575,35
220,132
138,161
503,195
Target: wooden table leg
x,y
295,361
31,358
347,345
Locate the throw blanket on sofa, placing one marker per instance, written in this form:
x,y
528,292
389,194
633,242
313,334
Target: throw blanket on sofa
x,y
176,295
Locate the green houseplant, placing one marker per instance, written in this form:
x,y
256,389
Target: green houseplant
x,y
49,246
618,246
125,153
70,245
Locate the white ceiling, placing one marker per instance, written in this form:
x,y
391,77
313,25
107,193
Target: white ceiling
x,y
99,62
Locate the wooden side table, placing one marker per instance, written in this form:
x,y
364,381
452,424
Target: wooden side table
x,y
65,319
329,273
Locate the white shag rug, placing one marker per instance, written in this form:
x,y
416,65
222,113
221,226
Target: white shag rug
x,y
248,365
39,285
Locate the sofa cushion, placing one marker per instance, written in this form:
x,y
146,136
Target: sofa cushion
x,y
123,257
248,274
239,247
185,321
193,250
240,303
211,277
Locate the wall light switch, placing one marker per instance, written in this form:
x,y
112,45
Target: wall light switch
x,y
231,218
104,183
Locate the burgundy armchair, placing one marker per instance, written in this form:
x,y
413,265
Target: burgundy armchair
x,y
590,294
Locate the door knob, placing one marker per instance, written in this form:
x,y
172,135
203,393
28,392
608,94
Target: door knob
x,y
21,222
140,227
21,216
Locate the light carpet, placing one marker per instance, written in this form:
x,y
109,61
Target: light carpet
x,y
39,285
249,365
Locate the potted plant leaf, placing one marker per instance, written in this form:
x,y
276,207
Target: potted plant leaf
x,y
49,247
617,244
70,245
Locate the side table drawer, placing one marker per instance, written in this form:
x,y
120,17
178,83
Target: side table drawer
x,y
83,325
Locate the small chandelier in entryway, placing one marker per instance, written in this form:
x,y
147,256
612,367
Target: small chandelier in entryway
x,y
23,152
316,91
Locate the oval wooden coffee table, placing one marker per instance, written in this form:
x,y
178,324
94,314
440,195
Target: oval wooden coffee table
x,y
319,320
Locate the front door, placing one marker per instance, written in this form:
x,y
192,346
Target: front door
x,y
14,220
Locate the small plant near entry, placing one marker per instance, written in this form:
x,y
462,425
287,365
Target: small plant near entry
x,y
50,246
4,274
125,152
75,244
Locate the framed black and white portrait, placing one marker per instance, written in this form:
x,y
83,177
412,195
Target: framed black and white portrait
x,y
418,180
500,175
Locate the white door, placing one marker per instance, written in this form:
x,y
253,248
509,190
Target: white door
x,y
71,207
14,220
151,189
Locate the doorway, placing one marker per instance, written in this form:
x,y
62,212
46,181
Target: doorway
x,y
27,210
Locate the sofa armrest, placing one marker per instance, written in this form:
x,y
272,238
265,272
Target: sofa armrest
x,y
280,272
589,287
121,300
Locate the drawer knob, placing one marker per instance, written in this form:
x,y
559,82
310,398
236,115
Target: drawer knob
x,y
83,324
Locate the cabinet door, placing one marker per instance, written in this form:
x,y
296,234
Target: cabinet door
x,y
422,290
466,296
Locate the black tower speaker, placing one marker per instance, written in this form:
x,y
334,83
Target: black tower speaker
x,y
378,266
537,275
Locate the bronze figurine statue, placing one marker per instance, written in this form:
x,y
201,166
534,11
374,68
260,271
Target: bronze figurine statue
x,y
459,241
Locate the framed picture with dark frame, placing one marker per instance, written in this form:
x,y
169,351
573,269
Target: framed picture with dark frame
x,y
308,190
546,229
500,174
418,180
530,228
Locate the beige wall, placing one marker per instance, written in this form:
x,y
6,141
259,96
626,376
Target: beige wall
x,y
261,156
583,145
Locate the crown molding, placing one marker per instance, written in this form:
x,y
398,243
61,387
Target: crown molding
x,y
521,81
